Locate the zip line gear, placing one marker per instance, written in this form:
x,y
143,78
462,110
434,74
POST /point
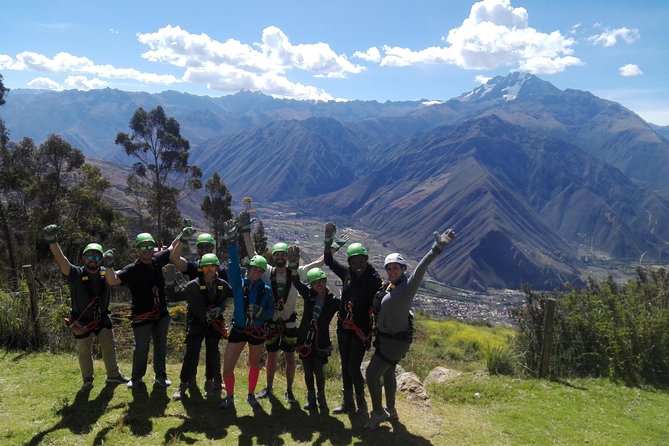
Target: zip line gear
x,y
259,262
394,258
209,259
205,238
356,249
280,247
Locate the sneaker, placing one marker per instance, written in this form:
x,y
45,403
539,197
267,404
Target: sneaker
x,y
162,381
311,403
87,384
251,399
289,397
227,402
134,383
119,379
392,414
180,392
264,393
375,419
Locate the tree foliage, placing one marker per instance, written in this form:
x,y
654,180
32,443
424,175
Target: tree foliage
x,y
216,208
161,155
620,331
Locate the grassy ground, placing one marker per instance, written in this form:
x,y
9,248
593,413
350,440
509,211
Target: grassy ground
x,y
40,403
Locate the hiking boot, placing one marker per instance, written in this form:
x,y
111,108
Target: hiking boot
x,y
322,404
311,402
87,384
361,403
392,414
118,379
180,391
227,402
265,392
289,397
375,419
162,381
251,399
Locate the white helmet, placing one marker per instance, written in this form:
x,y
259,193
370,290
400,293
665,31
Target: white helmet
x,y
394,258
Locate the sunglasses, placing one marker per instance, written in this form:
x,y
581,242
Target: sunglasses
x,y
145,247
95,257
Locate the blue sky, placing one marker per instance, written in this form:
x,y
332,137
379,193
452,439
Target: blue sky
x,y
341,50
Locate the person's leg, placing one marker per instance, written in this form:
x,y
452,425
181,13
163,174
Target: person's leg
x,y
85,358
230,357
375,370
108,347
270,369
320,383
255,351
356,355
290,371
343,342
191,357
213,358
390,387
159,333
140,351
307,365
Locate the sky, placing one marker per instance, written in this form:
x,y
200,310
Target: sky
x,y
340,50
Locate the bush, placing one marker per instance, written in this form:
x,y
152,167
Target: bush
x,y
603,330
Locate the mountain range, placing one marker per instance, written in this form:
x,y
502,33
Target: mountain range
x,y
534,179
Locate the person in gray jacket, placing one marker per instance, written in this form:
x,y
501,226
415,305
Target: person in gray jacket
x,y
394,323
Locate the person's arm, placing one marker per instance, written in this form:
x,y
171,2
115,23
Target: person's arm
x,y
319,262
175,255
61,260
301,288
245,228
441,240
51,237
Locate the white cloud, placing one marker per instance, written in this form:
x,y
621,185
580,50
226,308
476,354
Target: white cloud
x,y
482,79
81,82
495,34
66,63
630,70
610,37
371,55
233,65
44,83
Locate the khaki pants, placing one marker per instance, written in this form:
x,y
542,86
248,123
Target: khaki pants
x,y
106,340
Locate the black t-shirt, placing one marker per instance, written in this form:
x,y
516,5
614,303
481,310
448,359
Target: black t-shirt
x,y
146,283
84,287
193,271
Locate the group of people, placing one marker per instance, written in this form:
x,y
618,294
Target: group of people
x,y
370,312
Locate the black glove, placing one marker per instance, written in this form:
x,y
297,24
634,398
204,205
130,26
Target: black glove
x,y
330,230
293,257
230,231
108,257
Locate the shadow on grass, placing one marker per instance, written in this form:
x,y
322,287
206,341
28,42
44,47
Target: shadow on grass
x,y
80,416
280,424
143,407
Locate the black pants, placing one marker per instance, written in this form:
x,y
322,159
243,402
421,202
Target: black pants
x,y
351,351
193,342
313,369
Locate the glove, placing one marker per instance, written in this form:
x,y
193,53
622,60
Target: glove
x,y
51,234
253,311
187,233
230,231
338,243
330,230
187,222
108,258
293,257
442,239
245,221
214,313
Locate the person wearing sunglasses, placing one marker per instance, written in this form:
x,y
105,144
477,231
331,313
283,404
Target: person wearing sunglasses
x,y
392,305
89,312
150,318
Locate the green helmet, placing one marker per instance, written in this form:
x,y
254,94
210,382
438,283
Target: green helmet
x,y
315,274
205,238
143,238
356,249
280,247
209,259
93,247
259,262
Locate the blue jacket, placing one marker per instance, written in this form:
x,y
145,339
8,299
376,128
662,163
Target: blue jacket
x,y
258,293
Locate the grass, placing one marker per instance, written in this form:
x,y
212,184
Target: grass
x,y
40,403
